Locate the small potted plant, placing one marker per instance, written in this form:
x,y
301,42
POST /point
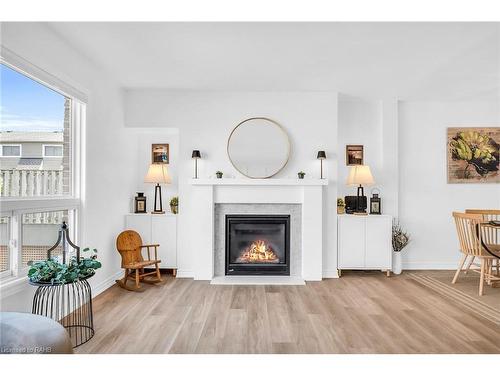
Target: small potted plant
x,y
340,206
174,205
219,174
400,238
301,175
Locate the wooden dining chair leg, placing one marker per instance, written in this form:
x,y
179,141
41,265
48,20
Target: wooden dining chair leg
x,y
469,264
462,261
481,280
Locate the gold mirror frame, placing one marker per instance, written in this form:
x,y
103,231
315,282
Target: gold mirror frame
x,y
279,127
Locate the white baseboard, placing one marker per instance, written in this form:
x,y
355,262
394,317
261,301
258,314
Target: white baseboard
x,y
106,283
429,266
331,274
185,274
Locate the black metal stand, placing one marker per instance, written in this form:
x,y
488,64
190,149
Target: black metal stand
x,y
158,193
69,304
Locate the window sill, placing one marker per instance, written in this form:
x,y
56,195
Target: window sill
x,y
12,285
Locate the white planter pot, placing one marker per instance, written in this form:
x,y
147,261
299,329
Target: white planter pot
x,y
397,262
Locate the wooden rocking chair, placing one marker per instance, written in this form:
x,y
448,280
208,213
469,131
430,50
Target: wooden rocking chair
x,y
129,245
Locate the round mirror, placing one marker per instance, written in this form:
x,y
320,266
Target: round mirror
x,y
258,147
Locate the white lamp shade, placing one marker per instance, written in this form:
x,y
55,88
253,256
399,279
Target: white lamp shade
x,y
360,175
158,174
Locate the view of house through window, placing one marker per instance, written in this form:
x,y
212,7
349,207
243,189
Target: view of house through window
x,y
34,138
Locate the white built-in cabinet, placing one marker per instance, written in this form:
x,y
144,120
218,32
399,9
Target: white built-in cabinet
x,y
364,242
157,229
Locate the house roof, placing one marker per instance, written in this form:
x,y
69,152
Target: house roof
x,y
19,137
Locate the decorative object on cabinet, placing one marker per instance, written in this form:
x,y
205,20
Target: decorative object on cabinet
x,y
157,174
219,174
364,242
160,153
375,203
196,155
473,155
65,275
400,238
321,156
351,203
360,175
140,204
301,175
340,206
252,135
354,155
129,245
160,229
174,205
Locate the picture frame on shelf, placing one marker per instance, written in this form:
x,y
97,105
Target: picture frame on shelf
x,y
160,153
354,155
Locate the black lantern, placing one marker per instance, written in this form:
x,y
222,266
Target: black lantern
x,y
140,204
375,204
69,249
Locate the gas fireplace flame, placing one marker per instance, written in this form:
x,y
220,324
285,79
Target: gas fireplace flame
x,y
258,252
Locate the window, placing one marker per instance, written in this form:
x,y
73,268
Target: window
x,y
36,123
40,153
52,151
11,150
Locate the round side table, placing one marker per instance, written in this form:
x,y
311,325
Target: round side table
x,y
69,304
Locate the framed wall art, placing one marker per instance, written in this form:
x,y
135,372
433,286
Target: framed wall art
x,y
160,153
473,155
354,155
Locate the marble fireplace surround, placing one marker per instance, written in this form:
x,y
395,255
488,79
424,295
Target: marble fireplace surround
x,y
299,198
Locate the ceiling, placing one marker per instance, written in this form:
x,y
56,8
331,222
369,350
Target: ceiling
x,y
402,60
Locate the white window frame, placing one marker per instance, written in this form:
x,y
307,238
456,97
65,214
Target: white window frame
x,y
51,145
15,207
11,156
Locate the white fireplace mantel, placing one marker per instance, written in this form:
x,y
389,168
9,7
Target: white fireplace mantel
x,y
307,192
259,181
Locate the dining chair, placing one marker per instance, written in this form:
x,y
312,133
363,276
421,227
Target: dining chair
x,y
491,236
469,235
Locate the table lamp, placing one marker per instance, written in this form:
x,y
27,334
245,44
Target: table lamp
x,y
321,156
360,175
157,174
196,155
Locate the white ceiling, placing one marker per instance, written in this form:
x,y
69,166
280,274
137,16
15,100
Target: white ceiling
x,y
403,60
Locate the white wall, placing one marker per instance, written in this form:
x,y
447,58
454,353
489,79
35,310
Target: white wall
x,y
205,120
111,163
426,199
373,124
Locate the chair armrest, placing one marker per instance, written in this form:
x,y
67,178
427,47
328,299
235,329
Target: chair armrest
x,y
148,247
153,245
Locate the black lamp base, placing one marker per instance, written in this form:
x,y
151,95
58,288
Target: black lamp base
x,y
158,209
360,207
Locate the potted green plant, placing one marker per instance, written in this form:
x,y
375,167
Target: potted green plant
x,y
301,175
174,205
400,238
219,174
50,271
340,206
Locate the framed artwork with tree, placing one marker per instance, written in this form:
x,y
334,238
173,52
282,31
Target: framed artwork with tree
x,y
473,155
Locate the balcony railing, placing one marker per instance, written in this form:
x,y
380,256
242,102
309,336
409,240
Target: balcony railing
x,y
33,183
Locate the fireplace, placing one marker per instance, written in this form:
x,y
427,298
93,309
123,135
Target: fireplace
x,y
257,244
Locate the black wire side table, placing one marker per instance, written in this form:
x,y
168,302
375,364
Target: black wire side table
x,y
69,304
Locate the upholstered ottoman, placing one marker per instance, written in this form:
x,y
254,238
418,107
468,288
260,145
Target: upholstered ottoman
x,y
23,333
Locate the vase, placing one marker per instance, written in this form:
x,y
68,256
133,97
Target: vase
x,y
397,262
174,208
340,210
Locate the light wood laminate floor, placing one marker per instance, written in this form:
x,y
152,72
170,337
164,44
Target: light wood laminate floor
x,y
363,312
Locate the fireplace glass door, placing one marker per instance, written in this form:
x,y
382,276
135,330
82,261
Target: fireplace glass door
x,y
257,244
